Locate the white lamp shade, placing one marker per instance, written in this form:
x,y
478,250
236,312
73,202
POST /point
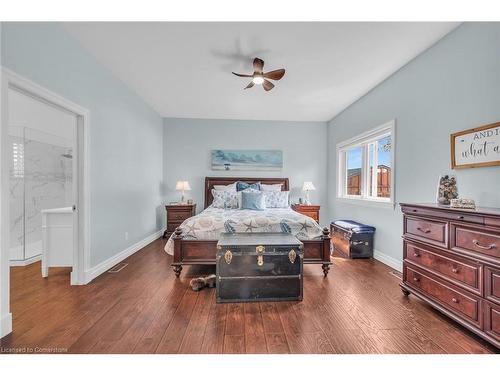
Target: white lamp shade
x,y
308,186
182,185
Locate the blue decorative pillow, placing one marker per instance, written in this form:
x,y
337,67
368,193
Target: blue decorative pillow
x,y
253,200
240,185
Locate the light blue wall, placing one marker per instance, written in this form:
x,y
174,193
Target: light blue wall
x,y
455,85
126,134
187,145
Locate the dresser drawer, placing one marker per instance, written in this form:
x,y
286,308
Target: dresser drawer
x,y
312,215
492,320
477,240
178,215
431,231
459,302
453,216
492,221
308,210
492,284
467,274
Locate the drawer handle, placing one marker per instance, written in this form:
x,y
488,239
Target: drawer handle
x,y
454,270
416,255
454,300
416,279
359,243
460,217
424,230
489,247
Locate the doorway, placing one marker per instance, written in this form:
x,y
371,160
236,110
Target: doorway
x,y
44,141
41,138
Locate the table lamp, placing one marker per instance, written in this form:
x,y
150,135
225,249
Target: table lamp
x,y
307,187
182,186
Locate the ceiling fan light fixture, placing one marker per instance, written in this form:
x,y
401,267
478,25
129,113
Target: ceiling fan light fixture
x,y
259,77
258,80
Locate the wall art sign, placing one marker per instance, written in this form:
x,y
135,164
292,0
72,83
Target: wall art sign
x,y
477,147
249,160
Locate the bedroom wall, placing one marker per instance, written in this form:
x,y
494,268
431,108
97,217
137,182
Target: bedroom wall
x,y
125,133
454,85
188,142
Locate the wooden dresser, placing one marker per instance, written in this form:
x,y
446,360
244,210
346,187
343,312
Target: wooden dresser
x,y
176,214
308,209
452,261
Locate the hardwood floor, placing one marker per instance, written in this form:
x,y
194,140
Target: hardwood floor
x,y
358,308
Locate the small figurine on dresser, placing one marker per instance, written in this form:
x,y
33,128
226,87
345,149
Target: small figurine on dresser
x,y
447,189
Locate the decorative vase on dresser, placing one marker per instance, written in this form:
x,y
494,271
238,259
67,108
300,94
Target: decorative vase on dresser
x,y
451,259
308,209
176,214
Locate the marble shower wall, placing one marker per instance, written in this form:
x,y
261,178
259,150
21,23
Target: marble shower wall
x,y
40,178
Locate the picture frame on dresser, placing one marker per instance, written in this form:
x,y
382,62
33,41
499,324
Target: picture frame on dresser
x,y
451,260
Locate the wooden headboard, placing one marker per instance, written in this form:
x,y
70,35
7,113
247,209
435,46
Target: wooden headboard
x,y
211,181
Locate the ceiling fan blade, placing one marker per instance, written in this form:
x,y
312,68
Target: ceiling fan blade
x,y
242,75
275,74
267,85
258,65
251,84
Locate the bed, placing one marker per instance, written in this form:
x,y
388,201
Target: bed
x,y
194,242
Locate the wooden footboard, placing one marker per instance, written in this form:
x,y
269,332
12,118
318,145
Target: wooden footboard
x,y
187,252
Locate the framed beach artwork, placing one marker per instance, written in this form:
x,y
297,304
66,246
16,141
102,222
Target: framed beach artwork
x,y
247,160
477,147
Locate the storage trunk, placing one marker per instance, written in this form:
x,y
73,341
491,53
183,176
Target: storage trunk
x,y
353,239
259,267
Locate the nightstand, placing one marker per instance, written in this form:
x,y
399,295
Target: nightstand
x,y
309,210
176,214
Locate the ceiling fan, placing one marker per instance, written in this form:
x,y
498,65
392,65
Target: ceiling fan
x,y
261,78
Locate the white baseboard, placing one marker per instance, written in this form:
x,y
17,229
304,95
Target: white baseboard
x,y
6,325
102,267
388,260
25,262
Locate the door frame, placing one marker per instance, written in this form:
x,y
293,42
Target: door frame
x,y
81,185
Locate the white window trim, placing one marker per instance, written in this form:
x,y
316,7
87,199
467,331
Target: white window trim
x,y
361,140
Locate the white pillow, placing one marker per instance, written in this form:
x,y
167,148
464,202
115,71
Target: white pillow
x,y
276,199
225,187
275,187
225,199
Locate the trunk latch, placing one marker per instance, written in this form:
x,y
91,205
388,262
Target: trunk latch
x,y
260,259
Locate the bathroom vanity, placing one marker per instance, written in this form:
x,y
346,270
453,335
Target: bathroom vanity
x,y
57,238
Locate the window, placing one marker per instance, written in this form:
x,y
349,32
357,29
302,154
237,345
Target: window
x,y
354,158
17,160
365,166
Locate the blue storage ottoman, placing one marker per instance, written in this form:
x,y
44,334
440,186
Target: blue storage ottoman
x,y
352,239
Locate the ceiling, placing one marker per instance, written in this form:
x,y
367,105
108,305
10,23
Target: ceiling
x,y
184,69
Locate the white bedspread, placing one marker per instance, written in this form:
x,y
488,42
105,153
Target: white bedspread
x,y
211,222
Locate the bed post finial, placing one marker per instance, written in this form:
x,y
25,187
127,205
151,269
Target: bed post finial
x,y
178,231
177,263
326,251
